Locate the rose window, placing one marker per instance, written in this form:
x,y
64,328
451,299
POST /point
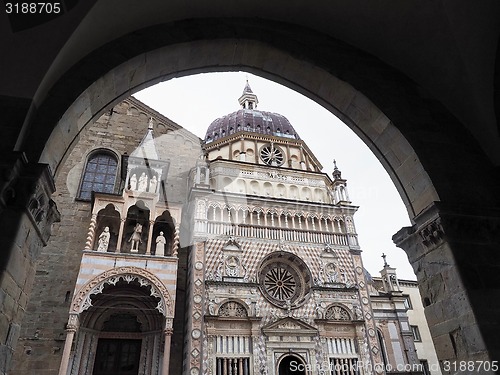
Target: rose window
x,y
280,283
284,280
272,155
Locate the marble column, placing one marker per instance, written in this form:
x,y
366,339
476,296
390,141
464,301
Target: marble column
x,y
150,237
120,236
166,351
71,329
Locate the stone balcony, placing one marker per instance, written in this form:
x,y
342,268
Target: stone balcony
x,y
95,263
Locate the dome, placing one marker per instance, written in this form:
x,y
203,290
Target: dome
x,y
249,119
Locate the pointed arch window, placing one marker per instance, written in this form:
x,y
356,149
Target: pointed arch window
x,y
99,174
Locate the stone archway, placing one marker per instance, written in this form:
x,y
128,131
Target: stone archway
x,y
291,365
395,123
406,165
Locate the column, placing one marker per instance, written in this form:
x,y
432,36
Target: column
x,y
240,366
454,251
175,245
150,237
71,329
166,349
120,235
91,232
207,175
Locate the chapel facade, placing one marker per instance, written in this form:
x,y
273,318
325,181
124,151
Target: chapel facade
x,y
231,255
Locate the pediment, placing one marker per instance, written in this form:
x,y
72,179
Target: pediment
x,y
289,326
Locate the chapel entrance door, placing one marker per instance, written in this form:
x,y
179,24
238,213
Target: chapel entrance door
x,y
117,357
291,365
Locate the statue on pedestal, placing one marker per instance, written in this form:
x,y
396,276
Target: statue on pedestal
x,y
143,182
103,241
135,238
133,182
152,185
160,244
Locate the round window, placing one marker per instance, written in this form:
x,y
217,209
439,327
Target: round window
x,y
272,155
285,280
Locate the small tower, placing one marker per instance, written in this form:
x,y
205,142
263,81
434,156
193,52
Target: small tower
x,y
339,187
248,100
389,278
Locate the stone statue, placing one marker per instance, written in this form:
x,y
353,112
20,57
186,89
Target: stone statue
x,y
160,244
331,272
135,238
358,312
257,309
143,182
211,307
320,310
133,182
152,185
343,275
288,306
232,266
103,242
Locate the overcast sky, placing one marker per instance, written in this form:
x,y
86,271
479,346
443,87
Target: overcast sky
x,y
195,101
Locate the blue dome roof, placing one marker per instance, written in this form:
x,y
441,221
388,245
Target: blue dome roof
x,y
251,120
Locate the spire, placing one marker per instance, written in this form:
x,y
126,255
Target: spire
x,y
146,148
248,100
247,89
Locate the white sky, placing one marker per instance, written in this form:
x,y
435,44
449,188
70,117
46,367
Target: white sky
x,y
195,101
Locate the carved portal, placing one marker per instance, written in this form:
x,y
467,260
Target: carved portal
x,y
82,300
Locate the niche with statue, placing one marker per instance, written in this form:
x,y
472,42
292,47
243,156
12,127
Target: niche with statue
x,y
107,228
163,235
136,229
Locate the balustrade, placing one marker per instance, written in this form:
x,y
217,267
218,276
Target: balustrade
x,y
274,233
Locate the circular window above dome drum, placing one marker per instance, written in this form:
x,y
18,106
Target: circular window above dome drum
x,y
272,155
285,280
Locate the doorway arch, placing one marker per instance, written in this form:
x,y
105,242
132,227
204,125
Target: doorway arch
x,y
291,364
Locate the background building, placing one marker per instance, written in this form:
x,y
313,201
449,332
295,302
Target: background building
x,y
393,294
231,255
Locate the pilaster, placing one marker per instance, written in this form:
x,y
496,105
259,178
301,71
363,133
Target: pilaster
x,y
454,252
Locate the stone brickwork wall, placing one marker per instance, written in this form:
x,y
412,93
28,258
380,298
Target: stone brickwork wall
x,y
42,333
